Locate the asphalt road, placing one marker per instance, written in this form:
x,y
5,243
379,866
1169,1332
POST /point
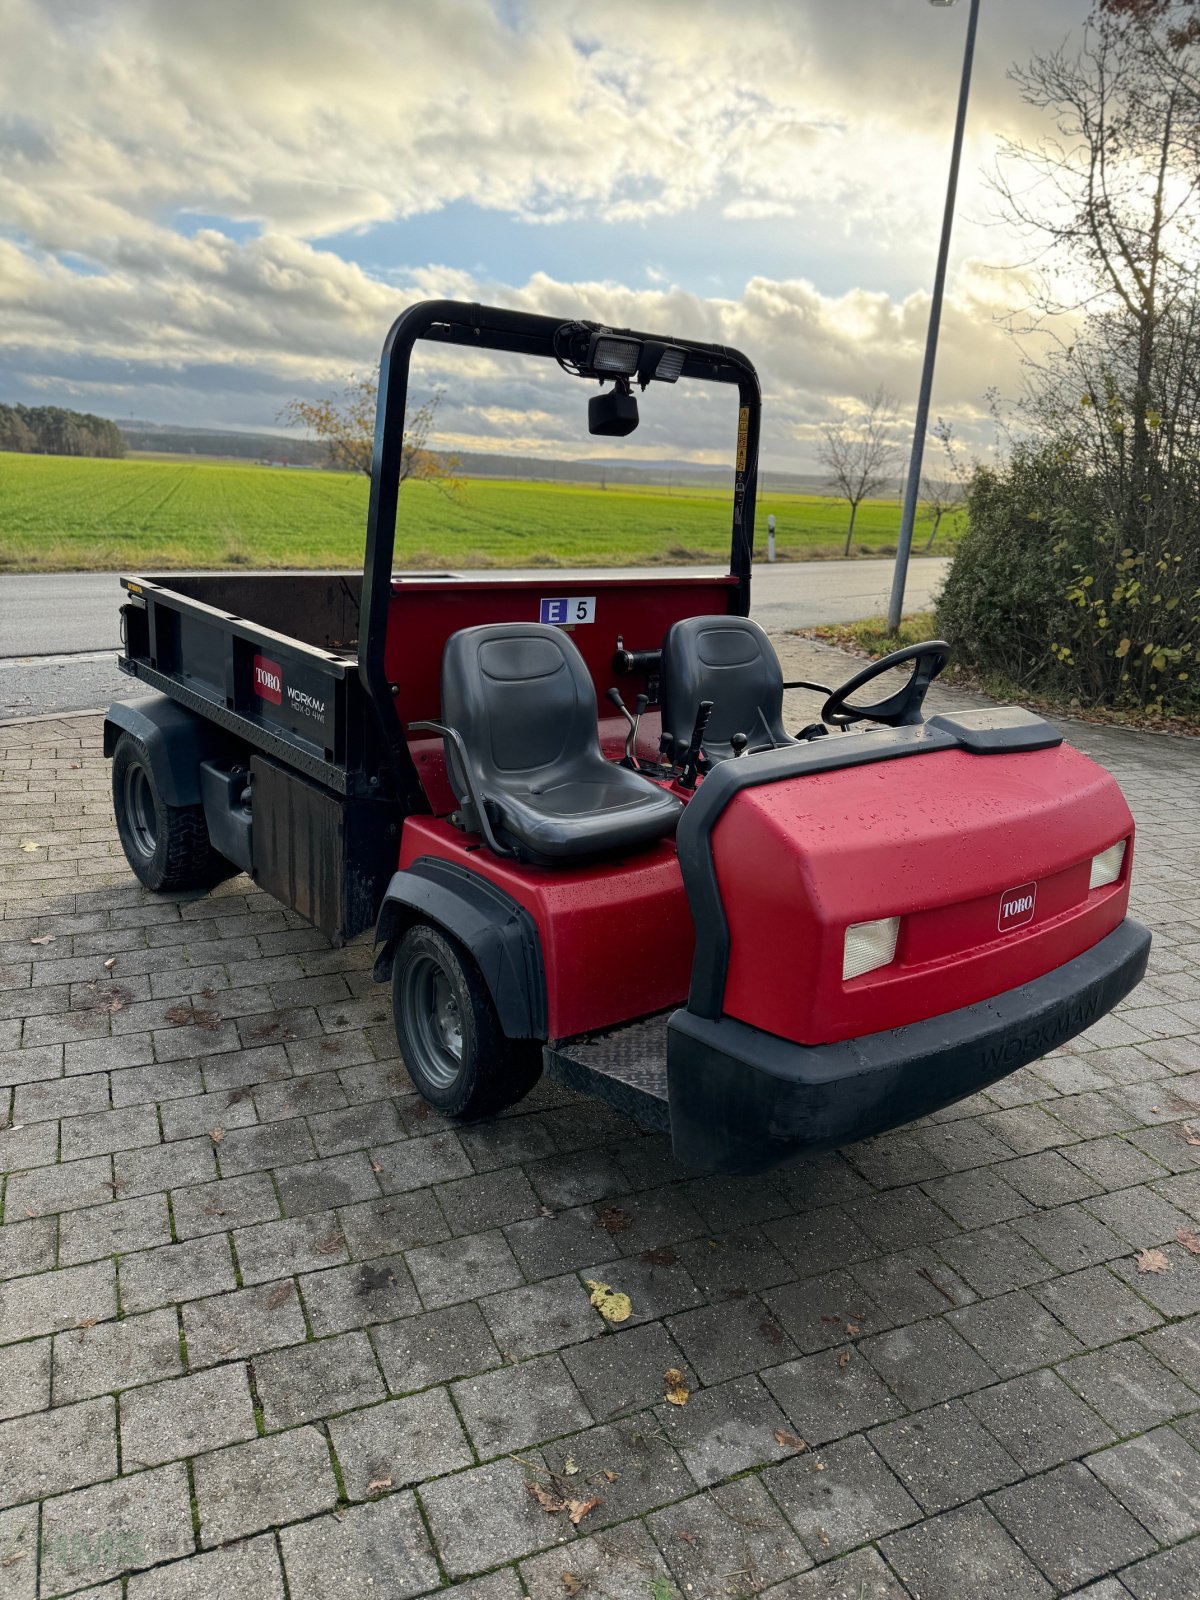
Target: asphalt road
x,y
56,628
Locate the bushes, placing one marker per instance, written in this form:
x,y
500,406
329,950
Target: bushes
x,y
1051,592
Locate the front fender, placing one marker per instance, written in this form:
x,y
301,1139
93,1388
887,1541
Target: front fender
x,y
176,741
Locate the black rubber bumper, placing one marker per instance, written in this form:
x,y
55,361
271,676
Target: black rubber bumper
x,y
743,1100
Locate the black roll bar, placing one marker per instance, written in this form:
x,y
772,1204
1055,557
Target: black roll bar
x,y
521,333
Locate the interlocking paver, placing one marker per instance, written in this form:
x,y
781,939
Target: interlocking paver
x,y
517,1406
861,1576
1039,1420
54,1300
1128,1387
734,1529
925,1362
826,1396
113,1229
943,1457
1070,1525
305,1382
1096,1306
248,1487
250,1568
125,1524
964,1555
727,1429
399,1443
185,1416
1155,1477
620,1564
366,1292
116,1355
24,1377
486,1516
840,1496
175,1272
381,1548
430,1349
48,1452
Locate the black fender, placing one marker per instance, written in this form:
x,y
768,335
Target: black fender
x,y
176,740
501,936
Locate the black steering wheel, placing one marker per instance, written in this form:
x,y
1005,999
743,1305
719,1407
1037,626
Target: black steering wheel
x,y
902,709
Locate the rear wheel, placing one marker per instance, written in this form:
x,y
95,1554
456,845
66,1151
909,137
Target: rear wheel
x,y
449,1035
167,846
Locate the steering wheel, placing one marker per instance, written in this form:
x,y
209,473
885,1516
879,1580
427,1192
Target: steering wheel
x,y
902,709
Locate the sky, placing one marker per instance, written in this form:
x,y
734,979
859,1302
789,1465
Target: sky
x,y
209,209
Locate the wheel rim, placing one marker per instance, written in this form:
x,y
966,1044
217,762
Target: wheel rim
x,y
434,1023
139,811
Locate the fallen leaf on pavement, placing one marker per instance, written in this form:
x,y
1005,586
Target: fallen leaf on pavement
x,y
87,1322
545,1211
331,1244
550,1503
789,1441
279,1296
844,1358
216,1134
377,1484
613,1220
110,963
612,1305
30,844
376,1166
578,1509
853,1329
608,1475
1153,1261
571,1583
1189,1241
1190,1134
570,1466
45,938
184,1015
677,1391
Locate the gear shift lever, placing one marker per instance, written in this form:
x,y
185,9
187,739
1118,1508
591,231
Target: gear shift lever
x,y
614,695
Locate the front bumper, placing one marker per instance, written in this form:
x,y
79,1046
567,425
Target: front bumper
x,y
743,1101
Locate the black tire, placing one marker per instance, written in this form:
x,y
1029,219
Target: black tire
x,y
167,846
456,1053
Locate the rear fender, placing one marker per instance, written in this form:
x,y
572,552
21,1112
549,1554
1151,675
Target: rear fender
x,y
500,935
176,741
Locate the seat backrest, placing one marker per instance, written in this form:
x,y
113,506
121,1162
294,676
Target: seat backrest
x,y
730,661
523,700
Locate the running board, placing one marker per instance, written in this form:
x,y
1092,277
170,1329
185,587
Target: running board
x,y
625,1067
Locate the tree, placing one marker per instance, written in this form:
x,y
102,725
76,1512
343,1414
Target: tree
x,y
944,493
345,424
859,452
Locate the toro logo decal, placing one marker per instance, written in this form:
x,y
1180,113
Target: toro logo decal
x,y
268,680
1017,906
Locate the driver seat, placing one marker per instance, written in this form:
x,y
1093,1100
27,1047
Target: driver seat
x,y
730,661
522,745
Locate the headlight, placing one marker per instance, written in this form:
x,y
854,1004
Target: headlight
x,y
609,354
869,945
1106,867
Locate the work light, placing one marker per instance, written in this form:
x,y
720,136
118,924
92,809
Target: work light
x,y
613,355
869,945
1106,867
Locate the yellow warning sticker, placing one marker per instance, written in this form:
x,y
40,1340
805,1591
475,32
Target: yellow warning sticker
x,y
743,435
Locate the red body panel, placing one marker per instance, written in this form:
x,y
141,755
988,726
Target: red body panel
x,y
937,839
616,936
424,612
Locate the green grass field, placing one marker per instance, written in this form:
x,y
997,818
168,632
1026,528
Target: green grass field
x,y
72,514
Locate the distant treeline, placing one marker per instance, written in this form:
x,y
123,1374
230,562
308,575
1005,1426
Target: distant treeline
x,y
52,431
235,446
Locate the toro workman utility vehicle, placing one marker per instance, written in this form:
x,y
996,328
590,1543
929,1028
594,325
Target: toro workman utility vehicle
x,y
586,840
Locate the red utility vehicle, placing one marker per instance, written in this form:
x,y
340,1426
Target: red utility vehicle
x,y
764,941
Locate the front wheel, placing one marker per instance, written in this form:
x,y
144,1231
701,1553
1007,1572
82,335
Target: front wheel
x,y
456,1053
167,846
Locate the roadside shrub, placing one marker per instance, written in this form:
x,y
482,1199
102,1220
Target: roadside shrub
x,y
1051,592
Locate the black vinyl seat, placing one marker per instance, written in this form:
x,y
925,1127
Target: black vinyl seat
x,y
523,706
730,661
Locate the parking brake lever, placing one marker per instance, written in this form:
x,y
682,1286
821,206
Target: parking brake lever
x,y
691,761
614,694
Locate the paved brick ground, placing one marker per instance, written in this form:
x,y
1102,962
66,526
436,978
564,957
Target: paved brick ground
x,y
268,1327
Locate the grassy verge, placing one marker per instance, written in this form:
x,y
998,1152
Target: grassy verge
x,y
872,639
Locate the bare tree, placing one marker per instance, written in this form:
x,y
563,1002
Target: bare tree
x,y
345,424
944,492
859,452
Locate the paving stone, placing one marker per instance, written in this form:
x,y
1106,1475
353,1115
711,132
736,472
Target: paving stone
x,y
24,1378
250,1568
1070,1238
925,1362
943,1457
113,1229
461,1269
840,1496
962,1144
227,1203
518,1406
901,1217
735,1528
73,1184
321,1185
500,1585
341,1298
19,1544
402,1442
541,1317
54,1300
725,1430
896,1158
1139,1216
1014,1333
861,1576
1157,1477
619,1564
964,1555
431,1349
381,1548
1165,1577
300,1097
1128,1387
1178,1347
1039,1420
624,1369
487,1516
735,1263
1176,1292
819,1241
60,1097
727,1341
996,1259
128,1523
416,1162
243,1069
1114,1163
24,1147
100,1133
248,1487
275,1144
401,1222
487,1200
817,1311
208,1115
654,1281
628,1465
175,1272
28,1246
1096,1306
49,1452
185,1416
243,1323
1050,1179
115,1355
357,1127
826,1398
164,1166
39,1063
1070,1525
1027,1129
977,1199
910,1285
143,1081
505,1141
309,1381
292,1244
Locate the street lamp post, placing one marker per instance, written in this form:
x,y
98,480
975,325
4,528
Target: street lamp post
x,y
913,486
